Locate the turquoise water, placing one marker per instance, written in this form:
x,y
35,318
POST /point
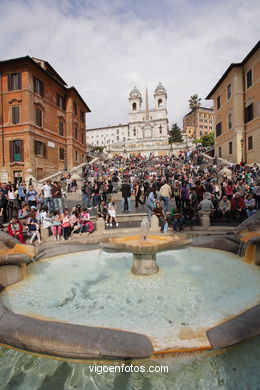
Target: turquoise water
x,y
234,369
194,289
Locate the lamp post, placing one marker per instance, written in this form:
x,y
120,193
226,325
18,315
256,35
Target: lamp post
x,y
242,142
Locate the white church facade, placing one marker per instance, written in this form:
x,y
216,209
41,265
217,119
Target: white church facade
x,y
145,133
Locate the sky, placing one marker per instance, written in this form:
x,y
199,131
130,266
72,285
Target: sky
x,y
106,47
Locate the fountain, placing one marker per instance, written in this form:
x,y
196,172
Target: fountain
x,y
144,248
81,303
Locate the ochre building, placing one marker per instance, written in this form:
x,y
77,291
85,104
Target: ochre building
x,y
236,99
198,123
42,121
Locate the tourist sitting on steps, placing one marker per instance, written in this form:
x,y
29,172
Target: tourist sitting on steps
x,y
111,216
177,219
15,229
206,205
158,211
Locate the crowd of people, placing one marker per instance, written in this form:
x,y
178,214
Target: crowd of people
x,y
177,189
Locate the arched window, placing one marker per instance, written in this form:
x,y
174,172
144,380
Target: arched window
x,y
134,131
160,103
134,106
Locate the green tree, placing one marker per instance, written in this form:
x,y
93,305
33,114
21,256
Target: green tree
x,y
194,104
206,140
175,134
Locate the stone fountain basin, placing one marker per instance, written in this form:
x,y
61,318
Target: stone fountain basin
x,y
153,244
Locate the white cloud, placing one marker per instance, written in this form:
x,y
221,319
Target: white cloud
x,y
104,48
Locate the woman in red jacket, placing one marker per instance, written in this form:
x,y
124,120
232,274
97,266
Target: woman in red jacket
x,y
15,229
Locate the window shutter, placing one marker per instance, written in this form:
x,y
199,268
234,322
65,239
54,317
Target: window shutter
x,y
11,150
15,115
34,84
9,82
19,83
35,147
21,151
41,89
44,150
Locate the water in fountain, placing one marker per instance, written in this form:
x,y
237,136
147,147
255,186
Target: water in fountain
x,y
195,289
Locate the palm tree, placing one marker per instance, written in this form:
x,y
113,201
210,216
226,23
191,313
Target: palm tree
x,y
194,104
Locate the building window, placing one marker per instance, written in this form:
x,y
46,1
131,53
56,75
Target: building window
x,y
249,79
82,138
82,116
200,133
14,81
75,108
38,117
230,148
229,121
205,127
62,154
134,131
16,150
250,142
61,102
160,103
76,132
76,155
218,102
134,106
229,91
15,115
39,148
218,129
249,113
117,132
201,126
160,129
38,86
220,152
117,138
61,128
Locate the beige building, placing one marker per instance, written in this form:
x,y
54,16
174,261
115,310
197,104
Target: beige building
x,y
236,99
199,121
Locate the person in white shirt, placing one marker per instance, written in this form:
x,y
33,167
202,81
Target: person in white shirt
x,y
47,195
13,205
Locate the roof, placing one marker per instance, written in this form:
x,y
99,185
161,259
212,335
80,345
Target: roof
x,y
45,67
234,65
201,108
135,91
80,98
37,63
159,87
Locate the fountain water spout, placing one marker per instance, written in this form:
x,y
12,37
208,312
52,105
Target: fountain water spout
x,y
145,228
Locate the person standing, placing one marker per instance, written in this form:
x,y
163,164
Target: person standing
x,y
31,196
126,194
165,194
13,205
138,193
47,195
57,196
